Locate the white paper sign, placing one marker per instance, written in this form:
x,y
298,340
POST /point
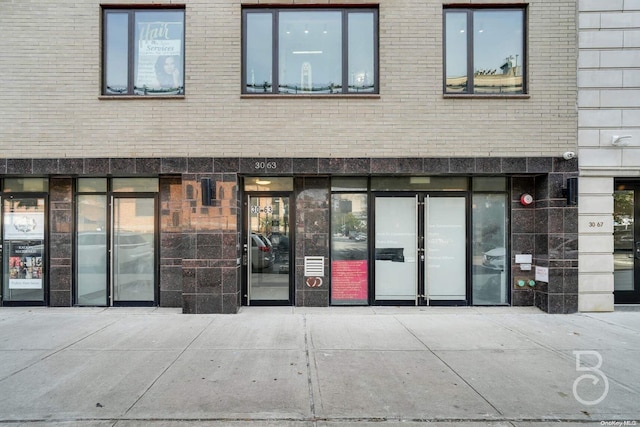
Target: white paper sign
x,y
542,274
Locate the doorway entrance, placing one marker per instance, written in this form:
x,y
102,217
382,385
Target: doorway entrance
x,y
116,242
420,249
626,242
267,250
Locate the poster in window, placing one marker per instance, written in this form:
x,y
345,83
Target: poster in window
x,y
159,57
24,225
25,265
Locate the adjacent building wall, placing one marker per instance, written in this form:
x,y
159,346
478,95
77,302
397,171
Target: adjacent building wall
x,y
608,104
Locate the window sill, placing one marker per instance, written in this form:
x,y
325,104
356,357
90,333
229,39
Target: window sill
x,y
485,96
302,96
112,97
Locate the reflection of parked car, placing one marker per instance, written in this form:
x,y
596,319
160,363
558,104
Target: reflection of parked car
x,y
494,259
261,252
134,252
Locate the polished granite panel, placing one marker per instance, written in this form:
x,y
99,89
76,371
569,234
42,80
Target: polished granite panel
x,y
19,166
514,164
94,166
332,165
305,166
122,166
226,164
435,165
148,165
60,298
462,165
539,164
71,166
174,165
45,166
488,165
200,165
3,166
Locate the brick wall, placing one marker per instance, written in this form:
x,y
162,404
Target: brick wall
x,y
52,104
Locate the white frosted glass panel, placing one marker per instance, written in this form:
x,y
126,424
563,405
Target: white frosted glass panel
x,y
445,248
395,251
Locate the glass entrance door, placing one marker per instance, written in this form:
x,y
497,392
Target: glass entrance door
x,y
267,251
133,250
420,249
626,243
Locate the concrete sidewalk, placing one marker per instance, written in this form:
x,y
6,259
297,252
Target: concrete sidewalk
x,y
284,366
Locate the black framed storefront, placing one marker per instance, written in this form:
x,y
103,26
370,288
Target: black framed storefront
x,y
198,260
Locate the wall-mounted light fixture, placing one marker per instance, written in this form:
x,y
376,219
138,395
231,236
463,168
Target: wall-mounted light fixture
x,y
621,140
571,191
208,191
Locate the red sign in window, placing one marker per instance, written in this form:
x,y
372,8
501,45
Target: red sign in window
x,y
349,281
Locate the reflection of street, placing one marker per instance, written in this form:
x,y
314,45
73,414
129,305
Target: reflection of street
x,y
623,271
270,285
344,249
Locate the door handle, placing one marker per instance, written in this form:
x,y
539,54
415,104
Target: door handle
x,y
637,251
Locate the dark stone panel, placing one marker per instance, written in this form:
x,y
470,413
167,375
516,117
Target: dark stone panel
x,y
248,165
555,285
556,304
122,166
96,166
200,165
19,166
570,281
384,165
174,165
171,245
556,220
542,188
61,221
541,220
570,220
522,298
570,246
229,304
557,181
170,298
171,278
522,220
539,164
435,165
45,166
71,166
60,189
333,165
3,166
188,245
521,184
316,245
305,165
316,298
60,299
230,283
60,245
522,243
562,165
357,166
556,246
208,303
299,299
189,304
60,278
188,280
209,239
462,165
541,250
488,165
409,165
541,300
279,165
209,280
514,164
570,303
148,165
226,164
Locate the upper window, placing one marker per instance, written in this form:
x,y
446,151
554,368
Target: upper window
x,y
143,52
310,51
484,51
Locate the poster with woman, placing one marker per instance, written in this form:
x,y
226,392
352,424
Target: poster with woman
x,y
159,56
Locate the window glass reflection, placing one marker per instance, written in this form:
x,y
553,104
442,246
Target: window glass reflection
x,y
116,53
456,52
361,53
91,250
310,52
259,52
497,51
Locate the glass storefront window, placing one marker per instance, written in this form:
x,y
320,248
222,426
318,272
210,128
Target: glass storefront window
x,y
349,249
490,183
349,184
490,260
419,183
268,183
23,249
26,185
92,185
135,185
91,250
